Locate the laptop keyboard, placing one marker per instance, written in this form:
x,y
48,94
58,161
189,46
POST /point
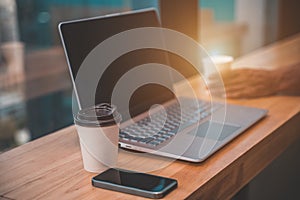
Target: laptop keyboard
x,y
151,130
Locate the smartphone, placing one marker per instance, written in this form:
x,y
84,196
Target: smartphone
x,y
135,183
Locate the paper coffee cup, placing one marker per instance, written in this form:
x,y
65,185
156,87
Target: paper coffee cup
x,y
217,63
222,62
98,131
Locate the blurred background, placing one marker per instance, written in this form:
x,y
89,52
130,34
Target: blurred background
x,y
35,87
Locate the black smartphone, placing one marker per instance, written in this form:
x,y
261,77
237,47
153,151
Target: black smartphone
x,y
135,183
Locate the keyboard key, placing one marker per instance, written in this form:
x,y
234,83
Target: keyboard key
x,y
159,140
160,127
154,143
146,140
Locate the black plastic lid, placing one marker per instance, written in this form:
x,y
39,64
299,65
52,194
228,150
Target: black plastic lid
x,y
100,115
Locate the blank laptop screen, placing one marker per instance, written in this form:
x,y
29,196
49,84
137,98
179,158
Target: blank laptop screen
x,y
80,37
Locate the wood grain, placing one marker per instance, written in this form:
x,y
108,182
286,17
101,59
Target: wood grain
x,y
279,54
51,167
5,198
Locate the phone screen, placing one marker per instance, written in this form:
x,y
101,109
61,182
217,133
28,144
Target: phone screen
x,y
134,180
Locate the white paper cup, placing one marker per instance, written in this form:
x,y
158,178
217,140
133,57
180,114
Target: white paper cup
x,y
217,63
220,67
222,62
98,131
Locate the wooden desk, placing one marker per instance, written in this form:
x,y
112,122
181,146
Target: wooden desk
x,y
51,167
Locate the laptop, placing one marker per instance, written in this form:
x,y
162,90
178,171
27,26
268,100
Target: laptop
x,y
181,128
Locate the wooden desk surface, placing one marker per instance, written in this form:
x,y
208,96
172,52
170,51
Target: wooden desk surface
x,y
51,167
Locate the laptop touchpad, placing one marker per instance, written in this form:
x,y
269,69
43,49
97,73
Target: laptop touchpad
x,y
214,130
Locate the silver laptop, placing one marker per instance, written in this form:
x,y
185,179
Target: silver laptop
x,y
181,128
